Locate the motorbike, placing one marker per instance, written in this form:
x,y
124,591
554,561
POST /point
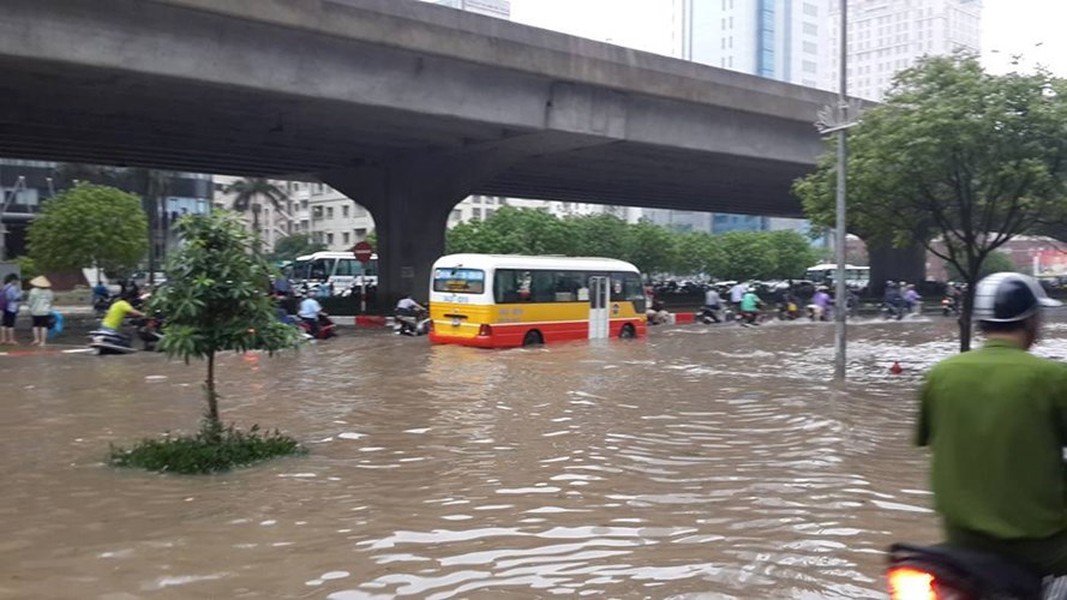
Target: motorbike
x,y
150,330
413,324
949,573
709,315
105,341
892,311
326,328
788,311
948,307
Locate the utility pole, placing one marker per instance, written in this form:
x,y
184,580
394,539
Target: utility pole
x,y
841,293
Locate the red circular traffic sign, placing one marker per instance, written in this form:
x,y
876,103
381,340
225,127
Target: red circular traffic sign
x,y
363,251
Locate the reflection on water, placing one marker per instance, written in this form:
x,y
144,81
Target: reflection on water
x,y
701,463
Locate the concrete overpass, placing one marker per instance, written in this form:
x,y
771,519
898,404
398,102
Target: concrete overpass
x,y
406,107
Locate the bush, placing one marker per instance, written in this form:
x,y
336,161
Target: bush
x,y
213,449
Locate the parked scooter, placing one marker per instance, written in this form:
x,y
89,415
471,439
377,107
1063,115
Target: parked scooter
x,y
415,324
950,573
105,341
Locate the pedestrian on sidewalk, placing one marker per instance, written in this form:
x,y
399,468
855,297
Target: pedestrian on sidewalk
x,y
10,296
39,301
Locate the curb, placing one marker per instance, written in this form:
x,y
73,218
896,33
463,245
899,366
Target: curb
x,y
368,321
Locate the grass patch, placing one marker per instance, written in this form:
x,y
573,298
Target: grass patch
x,y
213,449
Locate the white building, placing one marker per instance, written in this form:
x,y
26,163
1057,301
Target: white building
x,y
777,39
886,36
336,220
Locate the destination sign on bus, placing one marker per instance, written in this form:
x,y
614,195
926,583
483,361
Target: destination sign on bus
x,y
461,281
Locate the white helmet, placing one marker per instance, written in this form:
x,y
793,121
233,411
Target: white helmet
x,y
1008,297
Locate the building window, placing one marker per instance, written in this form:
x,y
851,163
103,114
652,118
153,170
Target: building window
x,y
811,29
811,10
329,212
344,211
457,214
347,236
811,48
329,239
809,66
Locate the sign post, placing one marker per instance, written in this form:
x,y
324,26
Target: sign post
x,y
363,252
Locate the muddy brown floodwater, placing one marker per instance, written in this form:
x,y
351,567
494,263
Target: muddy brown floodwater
x,y
705,462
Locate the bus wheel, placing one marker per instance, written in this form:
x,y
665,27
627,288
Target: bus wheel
x,y
627,332
533,338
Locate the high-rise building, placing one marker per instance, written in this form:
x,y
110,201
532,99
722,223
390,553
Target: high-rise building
x,y
492,8
777,39
886,36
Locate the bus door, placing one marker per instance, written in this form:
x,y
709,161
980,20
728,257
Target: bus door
x,y
599,307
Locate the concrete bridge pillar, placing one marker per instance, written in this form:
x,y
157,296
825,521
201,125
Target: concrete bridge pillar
x,y
410,200
896,264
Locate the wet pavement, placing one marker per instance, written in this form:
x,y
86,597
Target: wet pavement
x,y
703,462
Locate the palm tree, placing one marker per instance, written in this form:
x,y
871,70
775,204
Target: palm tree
x,y
248,195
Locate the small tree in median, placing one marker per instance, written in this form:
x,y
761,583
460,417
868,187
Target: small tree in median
x,y
215,300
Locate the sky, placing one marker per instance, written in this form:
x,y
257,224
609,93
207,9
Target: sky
x,y
1032,28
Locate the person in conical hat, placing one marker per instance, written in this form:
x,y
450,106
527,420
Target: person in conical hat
x,y
39,302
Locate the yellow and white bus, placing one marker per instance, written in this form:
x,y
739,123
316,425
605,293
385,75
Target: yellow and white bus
x,y
498,301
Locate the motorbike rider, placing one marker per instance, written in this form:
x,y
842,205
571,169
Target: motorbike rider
x,y
737,292
750,305
712,304
407,307
310,311
820,304
995,420
893,300
117,313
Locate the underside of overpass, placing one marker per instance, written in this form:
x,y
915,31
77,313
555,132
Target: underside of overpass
x,y
407,132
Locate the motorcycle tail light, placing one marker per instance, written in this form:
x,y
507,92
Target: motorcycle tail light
x,y
909,583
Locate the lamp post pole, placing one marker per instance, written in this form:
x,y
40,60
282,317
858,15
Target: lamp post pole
x,y
840,292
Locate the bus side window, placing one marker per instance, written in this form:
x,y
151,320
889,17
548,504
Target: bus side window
x,y
544,286
320,269
346,267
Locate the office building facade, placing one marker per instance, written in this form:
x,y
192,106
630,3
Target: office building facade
x,y
887,36
493,8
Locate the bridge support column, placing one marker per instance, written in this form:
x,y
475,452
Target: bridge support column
x,y
410,201
896,264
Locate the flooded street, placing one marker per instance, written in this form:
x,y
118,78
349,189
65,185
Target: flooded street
x,y
705,462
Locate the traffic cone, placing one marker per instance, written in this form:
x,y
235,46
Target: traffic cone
x,y
896,369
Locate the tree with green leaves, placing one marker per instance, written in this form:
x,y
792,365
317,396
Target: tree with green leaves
x,y
89,225
251,193
215,299
953,153
297,244
996,262
650,248
746,255
793,254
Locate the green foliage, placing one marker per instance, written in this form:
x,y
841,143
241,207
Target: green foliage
x,y
653,249
292,246
215,298
27,268
89,225
212,449
996,262
953,153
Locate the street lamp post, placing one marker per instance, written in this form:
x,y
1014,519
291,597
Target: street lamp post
x,y
840,293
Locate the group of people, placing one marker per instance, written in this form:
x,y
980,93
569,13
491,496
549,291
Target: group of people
x,y
901,298
39,303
